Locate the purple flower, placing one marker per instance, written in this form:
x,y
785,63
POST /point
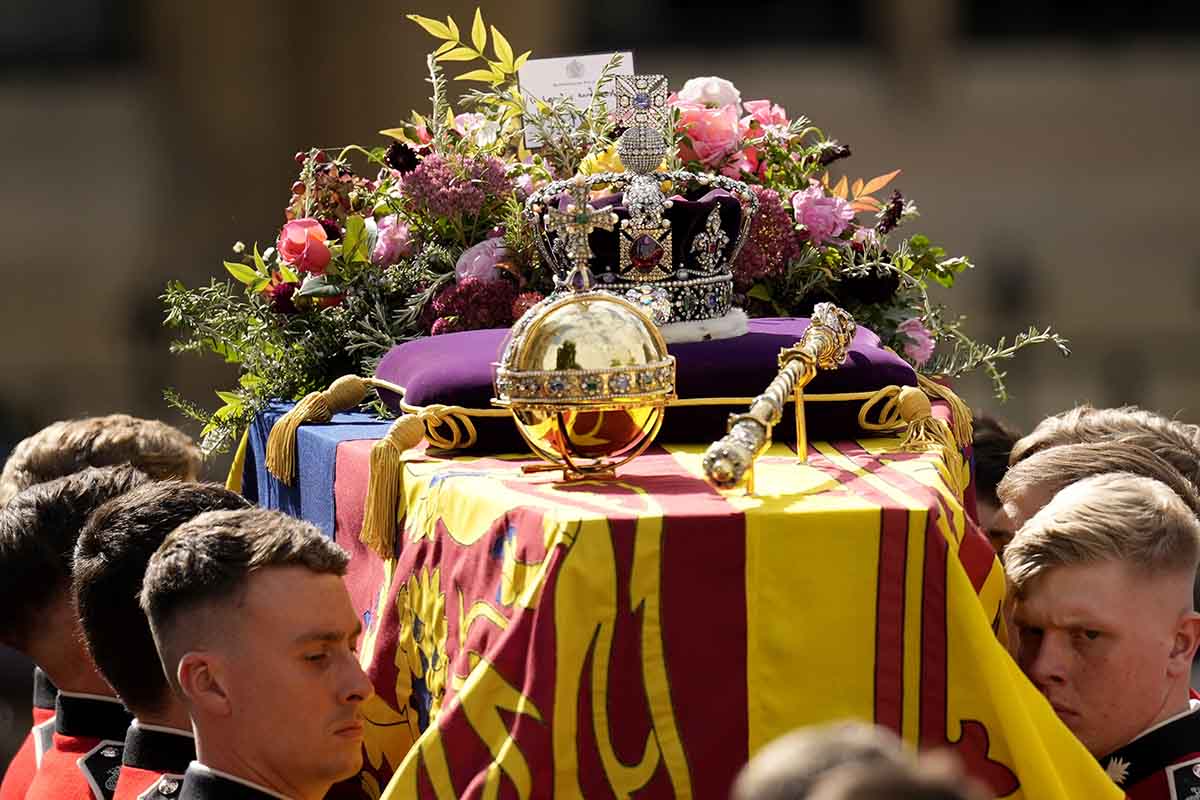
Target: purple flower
x,y
480,260
824,217
771,243
455,187
472,303
919,342
393,242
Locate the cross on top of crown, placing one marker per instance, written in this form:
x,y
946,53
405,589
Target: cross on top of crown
x,y
577,222
641,101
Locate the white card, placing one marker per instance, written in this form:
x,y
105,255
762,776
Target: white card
x,y
572,77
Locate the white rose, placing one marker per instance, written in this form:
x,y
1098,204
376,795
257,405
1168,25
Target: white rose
x,y
711,91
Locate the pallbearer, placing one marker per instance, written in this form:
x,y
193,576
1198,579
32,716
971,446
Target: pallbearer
x,y
110,560
38,531
258,635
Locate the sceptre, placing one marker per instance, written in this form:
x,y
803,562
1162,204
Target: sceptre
x,y
730,460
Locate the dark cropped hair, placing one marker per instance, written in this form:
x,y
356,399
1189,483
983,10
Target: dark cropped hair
x,y
993,444
38,530
110,560
207,561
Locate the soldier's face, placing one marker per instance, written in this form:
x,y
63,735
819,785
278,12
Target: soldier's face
x,y
298,687
1102,643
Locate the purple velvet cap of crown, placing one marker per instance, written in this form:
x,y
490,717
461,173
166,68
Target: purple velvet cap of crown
x,y
456,369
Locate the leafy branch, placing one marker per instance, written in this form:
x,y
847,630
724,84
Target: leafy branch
x,y
969,355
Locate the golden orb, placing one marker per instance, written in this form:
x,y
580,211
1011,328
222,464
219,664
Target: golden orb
x,y
587,377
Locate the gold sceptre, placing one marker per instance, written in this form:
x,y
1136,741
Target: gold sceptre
x,y
823,345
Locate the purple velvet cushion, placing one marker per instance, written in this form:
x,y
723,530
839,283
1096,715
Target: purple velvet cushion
x,y
456,369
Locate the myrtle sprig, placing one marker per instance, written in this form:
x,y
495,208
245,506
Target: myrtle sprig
x,y
502,69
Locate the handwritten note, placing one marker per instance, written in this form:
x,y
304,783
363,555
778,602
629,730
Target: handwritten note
x,y
572,77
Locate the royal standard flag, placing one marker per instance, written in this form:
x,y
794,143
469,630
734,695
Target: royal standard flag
x,y
645,636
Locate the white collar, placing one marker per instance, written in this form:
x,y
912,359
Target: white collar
x,y
146,726
1193,706
85,696
204,769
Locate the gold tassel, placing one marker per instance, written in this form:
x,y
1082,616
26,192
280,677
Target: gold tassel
x,y
385,485
924,430
343,394
961,422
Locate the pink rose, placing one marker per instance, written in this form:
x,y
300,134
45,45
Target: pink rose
x,y
714,132
763,115
745,160
919,342
302,244
393,242
824,217
710,91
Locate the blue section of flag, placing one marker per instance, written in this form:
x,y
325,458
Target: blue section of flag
x,y
311,496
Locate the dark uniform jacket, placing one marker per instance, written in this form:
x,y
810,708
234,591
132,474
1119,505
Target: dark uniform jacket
x,y
1161,764
154,761
202,783
84,761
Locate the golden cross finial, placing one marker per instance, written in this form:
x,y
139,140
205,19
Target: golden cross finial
x,y
577,222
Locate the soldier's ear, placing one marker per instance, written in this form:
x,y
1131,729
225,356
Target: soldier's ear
x,y
201,678
1187,638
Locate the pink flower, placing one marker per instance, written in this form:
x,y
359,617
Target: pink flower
x,y
423,134
302,244
710,91
763,115
771,244
471,304
393,243
478,128
824,217
714,132
919,342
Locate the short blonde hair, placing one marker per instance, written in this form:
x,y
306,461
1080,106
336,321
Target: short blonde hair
x,y
1056,468
66,447
790,767
1113,517
1175,442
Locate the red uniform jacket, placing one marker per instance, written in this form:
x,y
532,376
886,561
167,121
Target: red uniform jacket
x,y
22,768
1161,764
153,753
85,759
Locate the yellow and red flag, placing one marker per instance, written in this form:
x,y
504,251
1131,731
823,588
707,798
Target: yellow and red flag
x,y
645,636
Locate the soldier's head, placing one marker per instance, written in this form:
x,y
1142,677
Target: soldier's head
x,y
1103,578
935,777
1030,483
110,561
38,531
1175,442
790,767
993,444
65,447
258,635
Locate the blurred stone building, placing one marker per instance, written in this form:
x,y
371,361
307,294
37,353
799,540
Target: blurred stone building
x,y
1053,142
